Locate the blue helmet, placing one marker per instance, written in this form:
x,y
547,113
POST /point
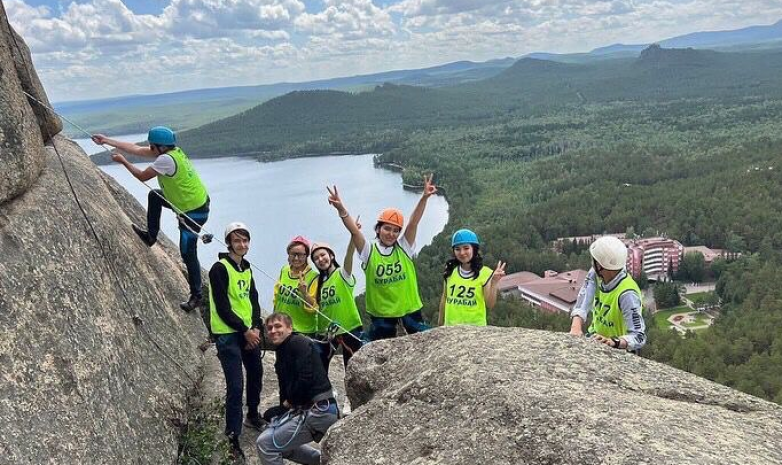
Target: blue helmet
x,y
464,236
161,135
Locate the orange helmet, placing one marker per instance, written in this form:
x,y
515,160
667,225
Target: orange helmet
x,y
392,216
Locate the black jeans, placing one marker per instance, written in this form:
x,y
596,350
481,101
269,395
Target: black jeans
x,y
232,355
385,328
188,241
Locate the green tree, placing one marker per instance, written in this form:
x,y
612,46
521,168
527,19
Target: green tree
x,y
693,267
667,294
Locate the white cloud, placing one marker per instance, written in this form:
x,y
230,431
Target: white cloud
x,y
414,8
100,47
347,19
213,18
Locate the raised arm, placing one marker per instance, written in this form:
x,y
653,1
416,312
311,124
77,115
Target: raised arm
x,y
357,236
347,265
415,217
127,147
494,285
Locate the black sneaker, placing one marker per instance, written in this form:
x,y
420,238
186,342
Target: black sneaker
x,y
193,303
144,235
255,421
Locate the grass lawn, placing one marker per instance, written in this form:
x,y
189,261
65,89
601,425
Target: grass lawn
x,y
699,297
700,320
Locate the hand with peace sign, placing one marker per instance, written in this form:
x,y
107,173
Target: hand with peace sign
x,y
335,201
350,224
429,186
302,285
499,272
494,285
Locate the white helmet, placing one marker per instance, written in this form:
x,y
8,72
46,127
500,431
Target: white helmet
x,y
609,252
236,226
321,245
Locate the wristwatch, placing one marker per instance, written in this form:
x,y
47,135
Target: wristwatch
x,y
616,342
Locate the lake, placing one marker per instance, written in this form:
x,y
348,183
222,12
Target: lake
x,y
280,200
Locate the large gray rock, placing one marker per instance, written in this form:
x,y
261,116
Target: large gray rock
x,y
48,122
82,380
514,396
21,139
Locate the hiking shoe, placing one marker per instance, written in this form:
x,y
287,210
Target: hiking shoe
x,y
193,303
255,421
144,235
235,452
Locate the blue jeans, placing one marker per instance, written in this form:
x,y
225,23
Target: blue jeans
x,y
232,355
188,241
385,328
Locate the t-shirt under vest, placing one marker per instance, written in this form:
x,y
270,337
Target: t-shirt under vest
x,y
238,296
184,188
465,303
607,317
337,303
288,300
392,284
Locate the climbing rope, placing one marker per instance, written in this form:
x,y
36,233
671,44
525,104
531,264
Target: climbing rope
x,y
205,235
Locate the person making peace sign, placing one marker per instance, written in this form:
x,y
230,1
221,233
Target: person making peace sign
x,y
392,285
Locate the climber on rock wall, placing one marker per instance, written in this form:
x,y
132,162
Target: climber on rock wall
x,y
181,190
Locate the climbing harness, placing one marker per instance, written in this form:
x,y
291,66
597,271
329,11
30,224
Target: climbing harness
x,y
204,235
321,406
286,417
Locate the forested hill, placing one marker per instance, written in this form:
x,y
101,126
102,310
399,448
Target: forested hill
x,y
681,142
333,121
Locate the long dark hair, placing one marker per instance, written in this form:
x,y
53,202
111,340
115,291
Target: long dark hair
x,y
323,275
475,264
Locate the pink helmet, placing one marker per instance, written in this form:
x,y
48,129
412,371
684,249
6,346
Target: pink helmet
x,y
299,240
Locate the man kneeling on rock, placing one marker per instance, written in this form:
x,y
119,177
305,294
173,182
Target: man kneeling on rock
x,y
305,391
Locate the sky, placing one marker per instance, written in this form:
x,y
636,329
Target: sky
x,y
89,49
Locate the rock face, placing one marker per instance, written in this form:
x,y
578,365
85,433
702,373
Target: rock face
x,y
514,396
95,355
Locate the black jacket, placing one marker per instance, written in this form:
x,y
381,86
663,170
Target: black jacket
x,y
218,283
300,371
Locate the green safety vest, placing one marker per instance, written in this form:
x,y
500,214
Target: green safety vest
x,y
392,284
184,189
607,319
288,300
337,303
238,295
465,303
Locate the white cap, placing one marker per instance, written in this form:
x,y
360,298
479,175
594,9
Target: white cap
x,y
609,252
236,226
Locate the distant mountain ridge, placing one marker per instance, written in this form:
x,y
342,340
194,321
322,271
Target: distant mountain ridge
x,y
298,123
747,35
185,109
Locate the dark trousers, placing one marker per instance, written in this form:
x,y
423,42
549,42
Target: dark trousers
x,y
232,355
385,328
188,240
350,345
